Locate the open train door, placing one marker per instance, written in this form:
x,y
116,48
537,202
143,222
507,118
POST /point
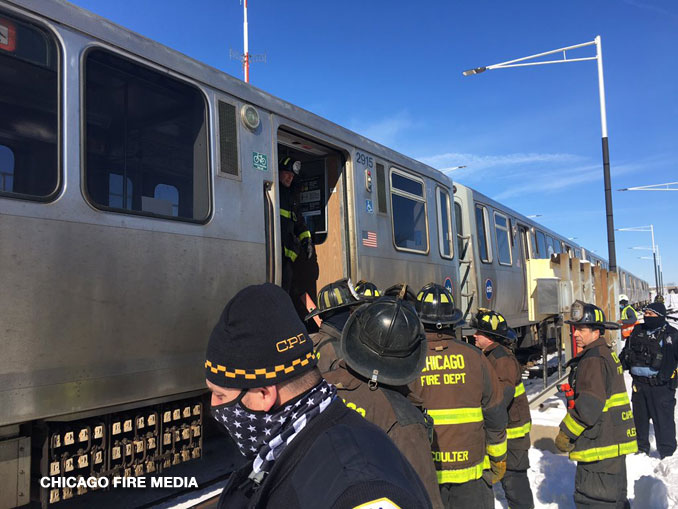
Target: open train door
x,y
524,256
319,194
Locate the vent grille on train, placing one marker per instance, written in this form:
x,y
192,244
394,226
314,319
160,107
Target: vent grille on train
x,y
381,188
228,141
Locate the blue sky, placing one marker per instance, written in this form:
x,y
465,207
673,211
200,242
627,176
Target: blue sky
x,y
391,70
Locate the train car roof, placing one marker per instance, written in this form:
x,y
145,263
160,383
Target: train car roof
x,y
177,63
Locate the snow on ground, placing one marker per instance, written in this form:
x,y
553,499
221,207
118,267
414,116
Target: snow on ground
x,y
652,483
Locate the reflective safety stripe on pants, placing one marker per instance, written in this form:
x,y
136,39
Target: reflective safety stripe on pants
x,y
463,474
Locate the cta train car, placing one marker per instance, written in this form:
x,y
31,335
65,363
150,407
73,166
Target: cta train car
x,y
138,193
495,243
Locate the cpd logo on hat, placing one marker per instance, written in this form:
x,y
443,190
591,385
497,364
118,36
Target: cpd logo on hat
x,y
289,343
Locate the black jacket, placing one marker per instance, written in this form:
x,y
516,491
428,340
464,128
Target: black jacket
x,y
669,351
339,460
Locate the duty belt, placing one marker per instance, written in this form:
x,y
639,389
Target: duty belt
x,y
649,380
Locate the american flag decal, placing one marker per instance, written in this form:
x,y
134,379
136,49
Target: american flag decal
x,y
369,239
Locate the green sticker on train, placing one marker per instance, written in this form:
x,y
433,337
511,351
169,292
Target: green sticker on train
x,y
259,161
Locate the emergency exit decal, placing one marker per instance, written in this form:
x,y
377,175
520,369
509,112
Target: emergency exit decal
x,y
7,35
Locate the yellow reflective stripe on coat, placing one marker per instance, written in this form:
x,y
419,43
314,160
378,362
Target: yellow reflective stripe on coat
x,y
463,474
305,235
496,450
520,389
290,254
619,399
601,453
518,431
575,428
286,213
456,415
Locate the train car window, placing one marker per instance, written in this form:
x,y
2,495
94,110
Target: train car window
x,y
577,253
501,230
568,250
445,241
381,189
29,102
483,240
228,139
460,229
541,244
149,130
557,246
549,246
408,204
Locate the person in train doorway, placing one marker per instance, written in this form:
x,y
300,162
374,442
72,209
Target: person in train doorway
x,y
383,349
335,303
463,395
498,341
295,235
598,431
629,316
651,355
303,446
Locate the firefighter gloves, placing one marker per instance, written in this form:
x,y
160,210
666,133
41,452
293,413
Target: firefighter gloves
x,y
563,442
498,469
307,248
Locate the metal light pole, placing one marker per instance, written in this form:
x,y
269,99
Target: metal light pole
x,y
521,62
649,228
246,54
653,187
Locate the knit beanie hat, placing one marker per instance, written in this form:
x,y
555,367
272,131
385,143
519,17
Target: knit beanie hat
x,y
259,340
658,308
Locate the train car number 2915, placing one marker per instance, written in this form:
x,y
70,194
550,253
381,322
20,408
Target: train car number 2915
x,y
364,159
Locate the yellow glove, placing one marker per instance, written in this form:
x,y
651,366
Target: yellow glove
x,y
563,442
498,469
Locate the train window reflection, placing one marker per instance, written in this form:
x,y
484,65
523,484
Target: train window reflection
x,y
408,204
541,244
503,241
460,230
29,164
444,223
149,130
481,230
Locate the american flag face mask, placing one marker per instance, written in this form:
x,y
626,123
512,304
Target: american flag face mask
x,y
261,435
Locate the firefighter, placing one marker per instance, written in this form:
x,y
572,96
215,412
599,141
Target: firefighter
x,y
335,303
303,447
383,349
650,355
462,393
367,290
629,317
296,238
497,341
598,431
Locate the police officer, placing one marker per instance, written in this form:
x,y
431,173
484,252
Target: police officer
x,y
335,303
462,393
383,348
497,340
629,317
651,354
304,447
296,238
599,431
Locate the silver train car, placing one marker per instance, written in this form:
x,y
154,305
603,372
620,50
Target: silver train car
x,y
138,193
495,242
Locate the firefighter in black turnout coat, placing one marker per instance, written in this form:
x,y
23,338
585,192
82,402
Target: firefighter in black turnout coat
x,y
296,238
304,447
598,431
651,355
